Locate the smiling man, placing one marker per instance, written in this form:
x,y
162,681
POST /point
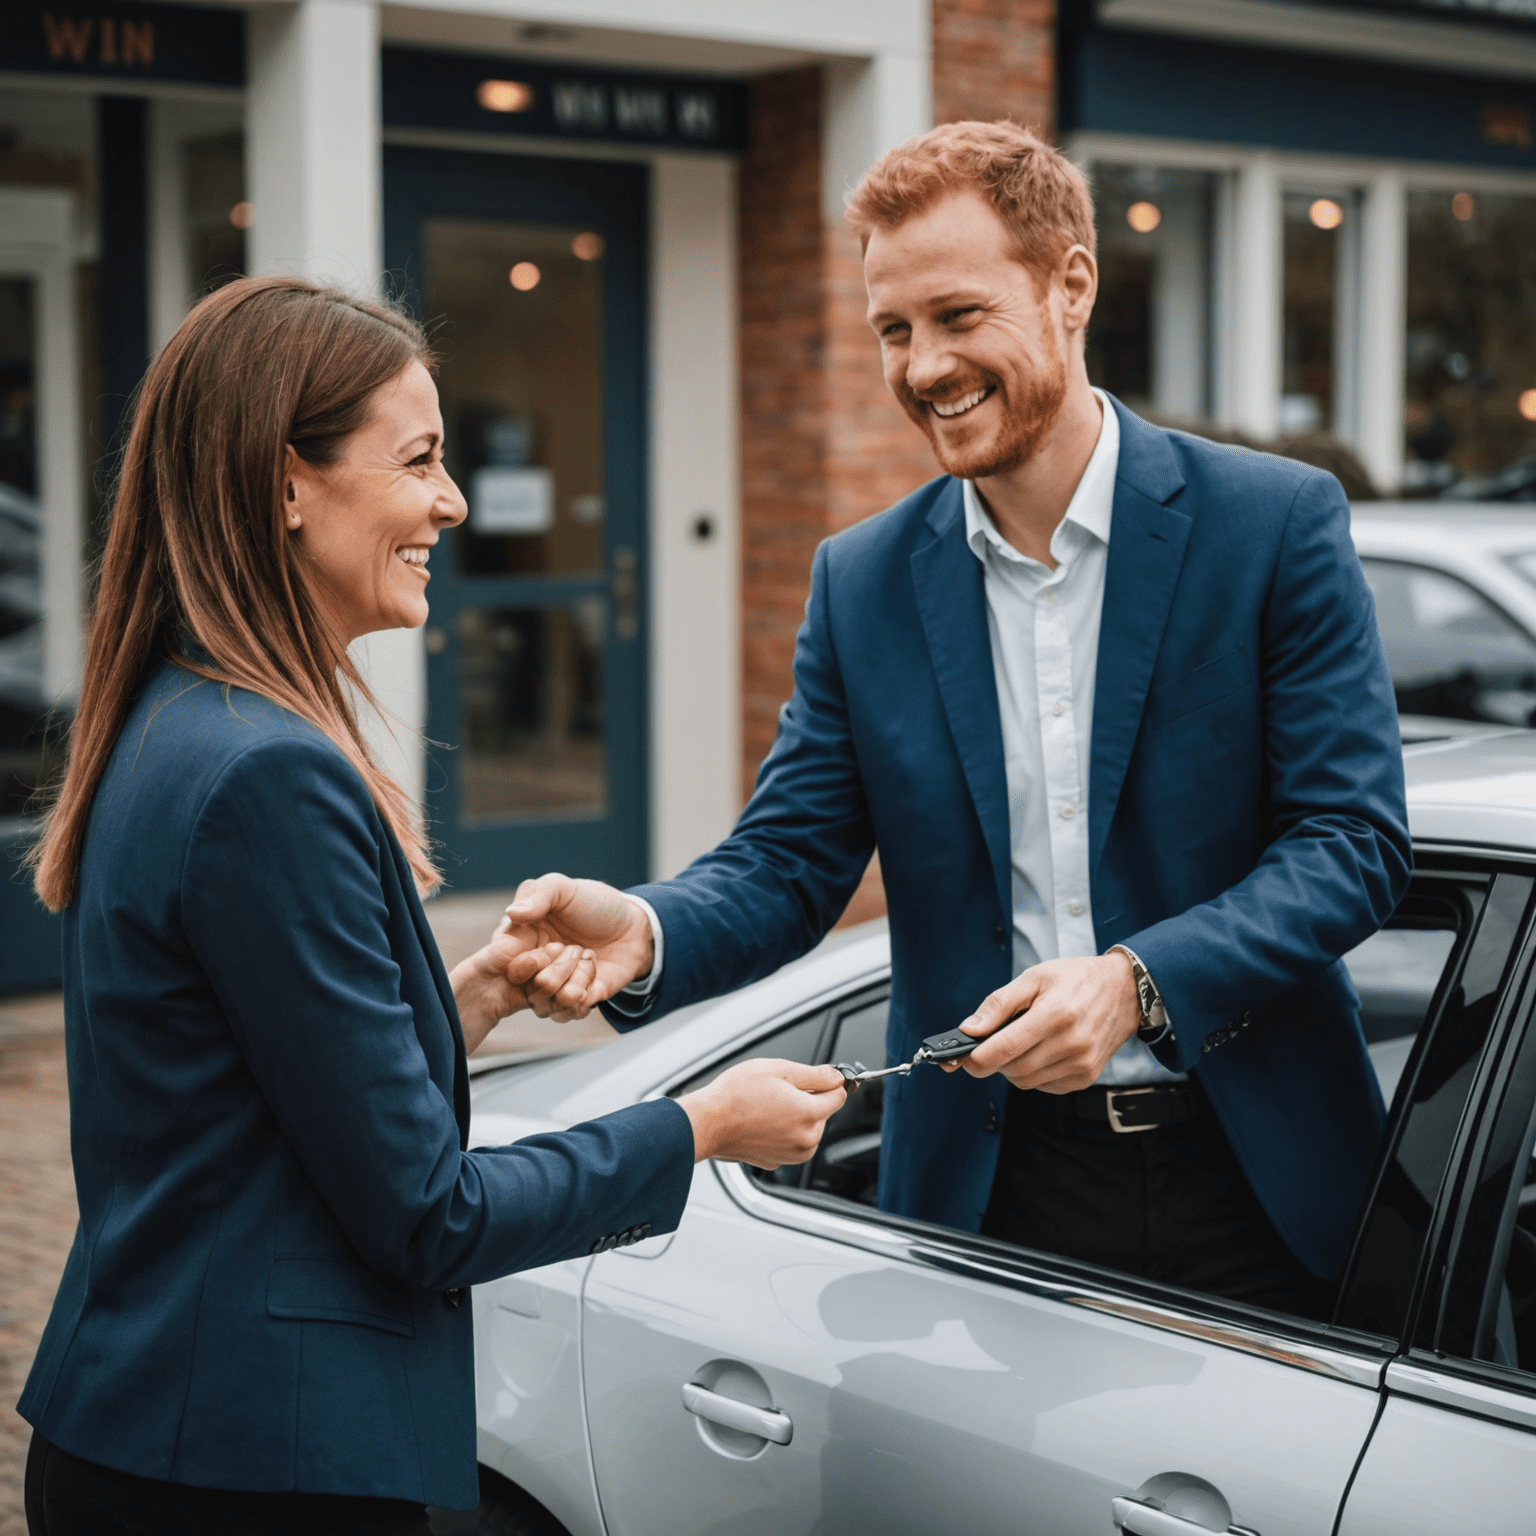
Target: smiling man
x,y
1111,703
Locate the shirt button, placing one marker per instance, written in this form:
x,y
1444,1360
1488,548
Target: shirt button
x,y
1050,595
1075,908
1060,709
1066,813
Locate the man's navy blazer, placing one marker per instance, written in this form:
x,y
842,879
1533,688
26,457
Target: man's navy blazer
x,y
1247,822
268,1113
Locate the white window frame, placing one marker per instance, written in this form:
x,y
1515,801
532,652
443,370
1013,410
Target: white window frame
x,y
1247,276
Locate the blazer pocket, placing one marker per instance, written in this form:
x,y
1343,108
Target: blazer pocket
x,y
1229,673
323,1290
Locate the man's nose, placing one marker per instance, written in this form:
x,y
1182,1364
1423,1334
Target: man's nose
x,y
929,362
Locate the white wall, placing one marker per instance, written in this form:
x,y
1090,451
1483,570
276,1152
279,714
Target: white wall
x,y
695,583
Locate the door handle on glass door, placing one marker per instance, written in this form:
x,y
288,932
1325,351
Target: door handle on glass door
x,y
731,1413
626,593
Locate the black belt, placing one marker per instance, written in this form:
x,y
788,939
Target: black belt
x,y
1135,1109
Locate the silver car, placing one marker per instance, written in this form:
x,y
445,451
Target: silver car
x,y
793,1361
1455,589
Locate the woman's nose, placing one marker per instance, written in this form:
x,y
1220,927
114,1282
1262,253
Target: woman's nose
x,y
450,508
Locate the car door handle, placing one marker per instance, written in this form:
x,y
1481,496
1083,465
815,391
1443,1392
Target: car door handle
x,y
1138,1519
731,1413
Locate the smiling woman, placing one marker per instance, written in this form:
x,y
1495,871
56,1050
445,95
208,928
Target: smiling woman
x,y
267,1068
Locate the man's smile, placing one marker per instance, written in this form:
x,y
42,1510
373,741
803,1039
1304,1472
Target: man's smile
x,y
948,408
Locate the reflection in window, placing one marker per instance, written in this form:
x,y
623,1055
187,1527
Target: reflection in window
x,y
1452,653
1471,344
1149,341
531,733
25,762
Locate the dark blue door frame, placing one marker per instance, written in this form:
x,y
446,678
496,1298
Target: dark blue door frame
x,y
612,199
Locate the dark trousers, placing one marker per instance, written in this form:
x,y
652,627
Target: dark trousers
x,y
69,1497
1169,1204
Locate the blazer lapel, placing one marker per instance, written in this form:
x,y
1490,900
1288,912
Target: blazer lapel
x,y
1146,552
952,601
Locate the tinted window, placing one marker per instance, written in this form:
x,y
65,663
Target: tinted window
x,y
1451,651
1437,1080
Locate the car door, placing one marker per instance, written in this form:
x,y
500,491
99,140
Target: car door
x,y
795,1361
1455,1446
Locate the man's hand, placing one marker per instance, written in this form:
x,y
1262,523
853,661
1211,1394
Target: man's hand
x,y
1079,1013
495,981
554,913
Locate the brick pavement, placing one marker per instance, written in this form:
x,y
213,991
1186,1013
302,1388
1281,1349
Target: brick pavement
x,y
37,1193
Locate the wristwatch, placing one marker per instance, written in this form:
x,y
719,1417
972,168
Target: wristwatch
x,y
1155,1026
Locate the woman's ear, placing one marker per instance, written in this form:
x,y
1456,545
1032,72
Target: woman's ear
x,y
293,474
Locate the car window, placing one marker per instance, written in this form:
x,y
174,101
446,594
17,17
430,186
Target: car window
x,y
1489,1312
1437,1078
1452,652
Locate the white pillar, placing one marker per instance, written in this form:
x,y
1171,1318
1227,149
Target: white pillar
x,y
1253,400
1383,328
312,156
695,585
868,106
170,284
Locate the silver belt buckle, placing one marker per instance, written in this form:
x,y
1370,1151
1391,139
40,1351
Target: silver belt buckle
x,y
1115,1123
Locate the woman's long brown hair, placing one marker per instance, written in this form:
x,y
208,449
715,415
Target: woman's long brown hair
x,y
196,549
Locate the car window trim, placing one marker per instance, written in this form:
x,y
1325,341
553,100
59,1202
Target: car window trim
x,y
1359,1360
1430,1379
1462,581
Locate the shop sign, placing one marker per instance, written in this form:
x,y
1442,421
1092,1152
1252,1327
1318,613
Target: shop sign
x,y
484,93
124,42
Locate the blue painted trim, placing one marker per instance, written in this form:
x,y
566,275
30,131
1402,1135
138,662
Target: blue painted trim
x,y
1169,87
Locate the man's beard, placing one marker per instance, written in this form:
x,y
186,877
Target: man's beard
x,y
1028,424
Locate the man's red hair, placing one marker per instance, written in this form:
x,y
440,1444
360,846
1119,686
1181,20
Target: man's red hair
x,y
1037,192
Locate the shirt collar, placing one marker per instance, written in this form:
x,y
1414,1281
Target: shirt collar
x,y
1091,508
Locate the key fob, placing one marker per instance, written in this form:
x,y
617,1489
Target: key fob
x,y
950,1046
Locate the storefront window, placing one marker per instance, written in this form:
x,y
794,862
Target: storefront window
x,y
1149,342
217,213
1470,416
1319,237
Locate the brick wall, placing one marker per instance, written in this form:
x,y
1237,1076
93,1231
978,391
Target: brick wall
x,y
823,443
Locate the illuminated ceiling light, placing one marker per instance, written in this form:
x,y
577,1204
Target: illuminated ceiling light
x,y
1463,207
1143,217
240,215
524,276
588,246
1528,404
504,95
1325,213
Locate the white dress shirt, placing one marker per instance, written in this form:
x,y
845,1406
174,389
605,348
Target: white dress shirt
x,y
1044,627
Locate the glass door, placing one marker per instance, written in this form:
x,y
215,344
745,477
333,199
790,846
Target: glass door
x,y
530,277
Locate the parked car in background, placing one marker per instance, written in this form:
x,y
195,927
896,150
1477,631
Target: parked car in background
x,y
1455,589
792,1360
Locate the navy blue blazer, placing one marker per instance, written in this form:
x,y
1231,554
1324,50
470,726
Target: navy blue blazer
x,y
1247,821
268,1113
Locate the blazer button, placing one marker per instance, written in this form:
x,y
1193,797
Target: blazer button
x,y
999,933
989,1121
453,1297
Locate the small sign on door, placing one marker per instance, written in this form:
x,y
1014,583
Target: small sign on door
x,y
507,500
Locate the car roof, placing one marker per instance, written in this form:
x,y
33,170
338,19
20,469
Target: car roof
x,y
1477,526
1474,789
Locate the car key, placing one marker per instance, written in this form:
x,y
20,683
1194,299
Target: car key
x,y
949,1046
855,1072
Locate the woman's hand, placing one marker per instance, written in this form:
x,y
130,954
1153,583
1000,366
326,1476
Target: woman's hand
x,y
764,1112
496,981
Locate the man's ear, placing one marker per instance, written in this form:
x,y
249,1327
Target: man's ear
x,y
1079,277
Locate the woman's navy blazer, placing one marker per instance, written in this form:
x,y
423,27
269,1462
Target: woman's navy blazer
x,y
269,1107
